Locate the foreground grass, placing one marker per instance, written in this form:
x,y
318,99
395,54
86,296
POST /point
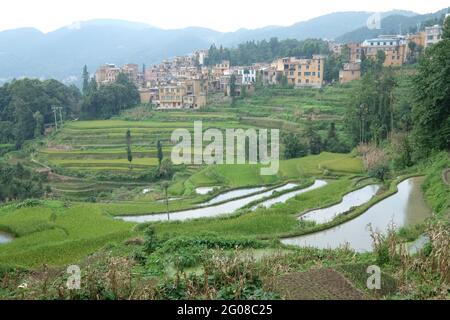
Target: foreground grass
x,y
56,234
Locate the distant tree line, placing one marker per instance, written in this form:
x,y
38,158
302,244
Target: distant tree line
x,y
102,102
266,51
26,106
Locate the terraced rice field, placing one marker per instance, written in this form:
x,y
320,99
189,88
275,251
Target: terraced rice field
x,y
101,145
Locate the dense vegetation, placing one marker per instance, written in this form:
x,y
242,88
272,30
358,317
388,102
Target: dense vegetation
x,y
18,183
26,105
397,121
108,100
431,92
266,51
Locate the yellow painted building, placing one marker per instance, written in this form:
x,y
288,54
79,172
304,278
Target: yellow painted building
x,y
302,72
394,47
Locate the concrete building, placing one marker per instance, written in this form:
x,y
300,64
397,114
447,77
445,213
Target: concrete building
x,y
171,96
302,72
107,74
355,51
433,35
248,75
394,47
350,72
268,76
149,95
221,69
131,70
190,94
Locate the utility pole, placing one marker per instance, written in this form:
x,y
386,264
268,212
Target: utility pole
x,y
60,116
55,109
56,120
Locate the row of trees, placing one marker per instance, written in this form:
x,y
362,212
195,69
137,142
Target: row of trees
x,y
266,51
310,142
26,105
107,100
412,114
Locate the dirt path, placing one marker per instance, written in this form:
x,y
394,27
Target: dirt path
x,y
321,284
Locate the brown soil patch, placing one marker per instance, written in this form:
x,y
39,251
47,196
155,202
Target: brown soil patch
x,y
321,284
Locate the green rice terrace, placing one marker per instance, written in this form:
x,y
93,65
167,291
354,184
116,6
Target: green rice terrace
x,y
100,208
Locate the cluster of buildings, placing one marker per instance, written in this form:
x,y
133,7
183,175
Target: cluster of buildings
x,y
186,81
397,49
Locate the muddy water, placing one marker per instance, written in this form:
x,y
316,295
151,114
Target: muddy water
x,y
225,208
232,195
351,200
285,197
214,211
405,208
4,237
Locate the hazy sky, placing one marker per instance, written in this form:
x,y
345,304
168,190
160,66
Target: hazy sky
x,y
227,15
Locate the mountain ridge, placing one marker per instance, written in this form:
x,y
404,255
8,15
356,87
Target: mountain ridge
x,y
61,54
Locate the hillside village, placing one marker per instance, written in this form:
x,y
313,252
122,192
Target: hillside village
x,y
185,82
264,169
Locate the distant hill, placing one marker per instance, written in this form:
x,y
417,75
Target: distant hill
x,y
392,24
61,54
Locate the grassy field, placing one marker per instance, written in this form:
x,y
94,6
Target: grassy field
x,y
57,233
92,152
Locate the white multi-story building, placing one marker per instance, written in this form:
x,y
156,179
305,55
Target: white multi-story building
x,y
433,35
248,75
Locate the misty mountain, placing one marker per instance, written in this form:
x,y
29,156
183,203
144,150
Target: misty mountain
x,y
61,54
393,24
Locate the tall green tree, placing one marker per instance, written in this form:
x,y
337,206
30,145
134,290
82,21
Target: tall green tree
x,y
371,117
129,152
233,86
39,124
159,152
85,77
431,107
314,139
293,146
25,124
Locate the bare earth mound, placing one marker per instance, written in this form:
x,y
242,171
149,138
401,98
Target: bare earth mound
x,y
321,284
